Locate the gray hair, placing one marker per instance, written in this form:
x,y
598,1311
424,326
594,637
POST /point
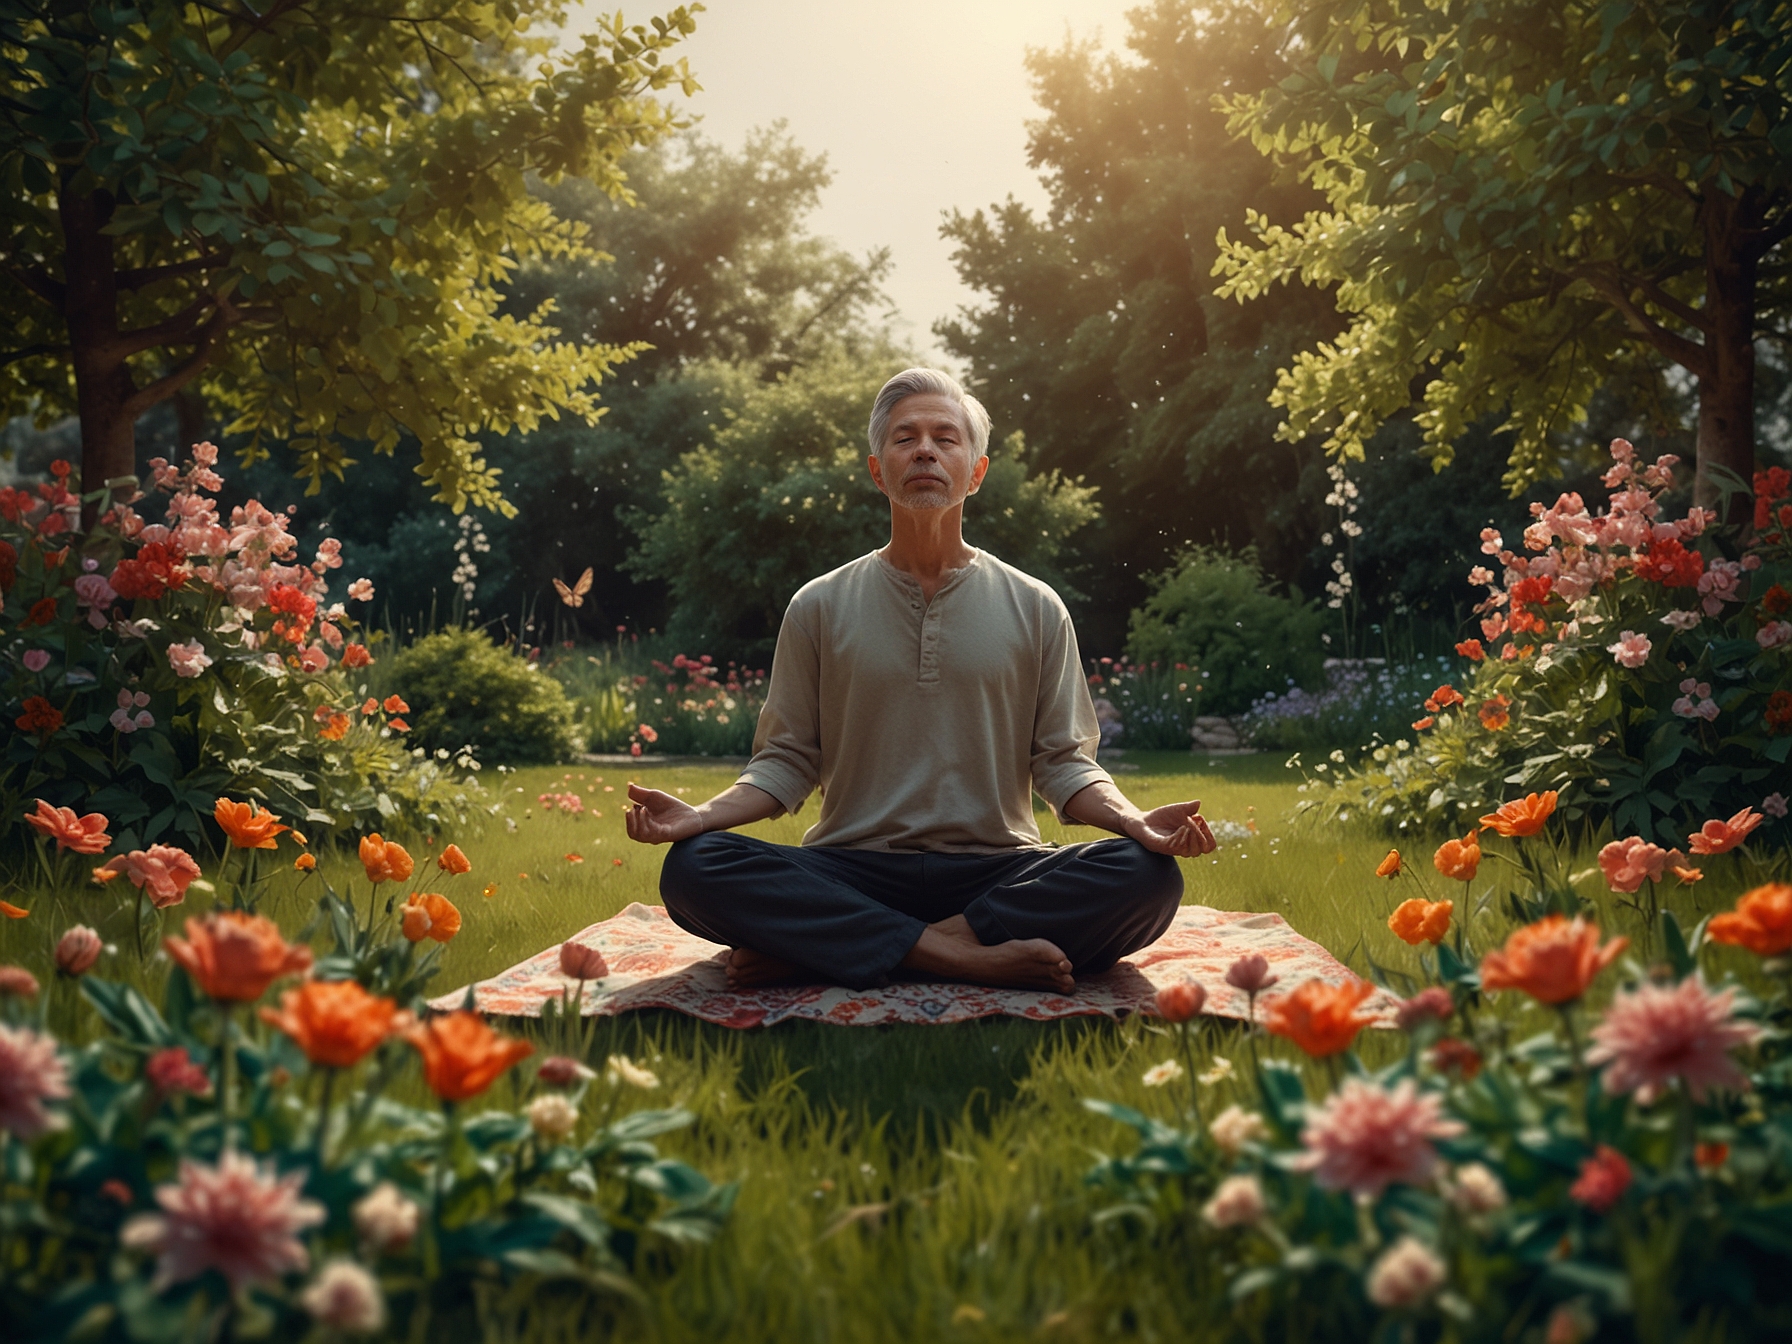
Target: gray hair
x,y
914,382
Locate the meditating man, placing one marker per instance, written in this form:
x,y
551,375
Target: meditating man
x,y
926,689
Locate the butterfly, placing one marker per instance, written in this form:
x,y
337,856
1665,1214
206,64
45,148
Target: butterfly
x,y
575,595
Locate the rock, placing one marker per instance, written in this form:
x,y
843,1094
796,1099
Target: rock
x,y
1212,733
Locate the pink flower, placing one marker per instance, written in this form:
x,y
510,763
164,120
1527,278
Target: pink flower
x,y
30,1075
36,660
1683,620
1238,1202
1431,1004
1251,974
314,659
1631,650
1406,1274
345,1297
384,1219
1491,542
16,980
1627,864
1659,1033
1365,1138
77,950
236,1218
189,659
1604,1177
562,1071
1720,837
361,590
164,871
1774,634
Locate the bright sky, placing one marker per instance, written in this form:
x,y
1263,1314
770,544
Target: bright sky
x,y
920,106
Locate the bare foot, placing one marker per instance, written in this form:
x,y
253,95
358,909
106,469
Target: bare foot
x,y
748,969
949,950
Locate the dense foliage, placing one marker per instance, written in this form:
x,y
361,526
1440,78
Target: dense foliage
x,y
466,693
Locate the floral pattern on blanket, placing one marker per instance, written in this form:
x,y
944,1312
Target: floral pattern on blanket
x,y
655,964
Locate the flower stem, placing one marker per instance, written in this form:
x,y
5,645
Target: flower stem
x,y
323,1116
226,1072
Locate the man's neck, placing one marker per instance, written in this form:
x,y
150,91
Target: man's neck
x,y
927,545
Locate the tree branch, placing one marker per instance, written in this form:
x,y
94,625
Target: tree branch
x,y
139,276
1690,355
26,352
181,329
39,282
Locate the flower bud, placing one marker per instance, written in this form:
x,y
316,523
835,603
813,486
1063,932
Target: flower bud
x,y
561,1071
579,962
1428,1005
1251,974
1181,1001
552,1116
77,950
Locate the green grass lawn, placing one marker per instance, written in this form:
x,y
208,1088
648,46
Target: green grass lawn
x,y
901,1183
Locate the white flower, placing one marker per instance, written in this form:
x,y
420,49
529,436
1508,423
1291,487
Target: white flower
x,y
1234,1127
623,1069
1220,1070
345,1297
1474,1189
1774,634
1238,1202
1682,620
1406,1274
1160,1074
552,1116
384,1219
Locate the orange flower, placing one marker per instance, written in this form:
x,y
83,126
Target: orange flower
x,y
370,706
452,861
1761,921
1417,921
1710,1156
84,835
1720,837
462,1056
356,655
1420,725
1320,1018
12,911
398,725
394,705
305,862
1553,960
1522,816
1459,860
385,860
1390,866
235,956
1494,715
335,1022
1443,697
1686,875
335,728
248,826
575,858
40,718
427,915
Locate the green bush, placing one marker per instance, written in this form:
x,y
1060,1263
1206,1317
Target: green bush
x,y
463,690
1218,612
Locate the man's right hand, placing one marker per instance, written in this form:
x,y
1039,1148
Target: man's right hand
x,y
657,818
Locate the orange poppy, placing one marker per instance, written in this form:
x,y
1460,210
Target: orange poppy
x,y
1553,960
1320,1018
83,835
1720,837
385,860
452,861
1420,725
462,1056
1761,921
427,915
1494,715
305,862
248,826
396,705
1522,816
1390,866
1419,921
335,1022
1443,697
1459,860
235,956
335,728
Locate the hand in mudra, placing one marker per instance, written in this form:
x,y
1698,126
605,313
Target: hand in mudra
x,y
1178,829
655,817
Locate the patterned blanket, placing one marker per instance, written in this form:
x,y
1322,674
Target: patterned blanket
x,y
655,964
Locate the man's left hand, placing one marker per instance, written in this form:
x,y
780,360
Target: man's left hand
x,y
1175,828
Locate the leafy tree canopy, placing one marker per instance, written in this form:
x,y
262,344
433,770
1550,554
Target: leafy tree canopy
x,y
781,493
307,212
1521,197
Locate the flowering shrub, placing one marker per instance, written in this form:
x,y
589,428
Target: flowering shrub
x,y
1363,703
148,666
1622,1173
232,1161
464,689
1155,704
1622,659
684,707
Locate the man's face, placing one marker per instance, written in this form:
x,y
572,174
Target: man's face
x,y
928,461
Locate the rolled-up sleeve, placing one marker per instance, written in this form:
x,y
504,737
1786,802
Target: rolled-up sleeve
x,y
787,743
1065,731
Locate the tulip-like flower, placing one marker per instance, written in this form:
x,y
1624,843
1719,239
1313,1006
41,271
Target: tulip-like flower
x,y
1554,960
581,962
77,950
1459,860
1390,866
1417,921
1181,1001
1720,837
1431,1004
248,826
172,1070
1761,921
462,1056
335,1022
552,1116
385,860
1630,862
161,872
1237,1202
1522,816
1250,973
453,862
428,915
1320,1018
82,835
234,957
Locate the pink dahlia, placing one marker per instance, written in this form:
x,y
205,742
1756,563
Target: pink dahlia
x,y
30,1075
1659,1033
1366,1138
236,1218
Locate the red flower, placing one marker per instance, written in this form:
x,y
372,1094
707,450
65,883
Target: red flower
x,y
43,612
1471,649
356,655
1779,712
1670,564
1776,601
156,570
173,1070
40,718
9,566
1532,592
1443,697
1604,1177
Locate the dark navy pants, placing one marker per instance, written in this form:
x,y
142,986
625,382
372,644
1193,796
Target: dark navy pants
x,y
851,915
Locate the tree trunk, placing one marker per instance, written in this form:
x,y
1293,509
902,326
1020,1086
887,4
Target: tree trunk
x,y
103,382
1726,442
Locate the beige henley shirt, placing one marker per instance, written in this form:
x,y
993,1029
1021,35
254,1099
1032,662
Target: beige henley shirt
x,y
924,723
